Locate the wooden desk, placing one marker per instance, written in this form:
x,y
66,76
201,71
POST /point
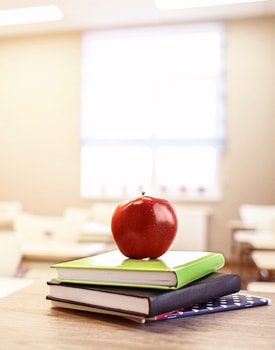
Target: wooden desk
x,y
28,322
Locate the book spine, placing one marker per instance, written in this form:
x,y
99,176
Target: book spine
x,y
202,267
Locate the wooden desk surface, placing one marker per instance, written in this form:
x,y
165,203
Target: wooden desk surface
x,y
28,322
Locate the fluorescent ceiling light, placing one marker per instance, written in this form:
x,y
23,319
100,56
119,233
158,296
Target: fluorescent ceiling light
x,y
185,4
26,15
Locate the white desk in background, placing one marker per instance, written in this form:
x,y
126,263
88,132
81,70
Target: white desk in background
x,y
92,232
58,250
93,239
10,285
39,255
264,240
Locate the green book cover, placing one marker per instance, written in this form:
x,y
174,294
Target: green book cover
x,y
172,270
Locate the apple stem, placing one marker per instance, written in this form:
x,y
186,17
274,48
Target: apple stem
x,y
143,193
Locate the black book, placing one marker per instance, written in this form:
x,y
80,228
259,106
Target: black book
x,y
146,302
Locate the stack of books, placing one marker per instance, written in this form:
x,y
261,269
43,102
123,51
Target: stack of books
x,y
178,284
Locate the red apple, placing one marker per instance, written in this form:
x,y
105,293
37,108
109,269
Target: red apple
x,y
144,227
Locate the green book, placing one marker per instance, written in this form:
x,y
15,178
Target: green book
x,y
172,270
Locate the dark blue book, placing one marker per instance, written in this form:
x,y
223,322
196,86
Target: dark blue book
x,y
229,302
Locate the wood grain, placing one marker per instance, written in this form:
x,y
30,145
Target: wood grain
x,y
28,322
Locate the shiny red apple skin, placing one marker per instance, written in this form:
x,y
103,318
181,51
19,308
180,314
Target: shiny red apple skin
x,y
144,227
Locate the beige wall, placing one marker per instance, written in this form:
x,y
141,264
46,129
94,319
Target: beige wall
x,y
249,162
40,110
39,118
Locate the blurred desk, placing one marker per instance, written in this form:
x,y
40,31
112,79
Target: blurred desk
x,y
264,260
39,255
258,240
54,250
10,285
28,321
92,232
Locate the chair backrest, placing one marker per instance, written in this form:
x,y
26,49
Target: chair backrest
x,y
262,217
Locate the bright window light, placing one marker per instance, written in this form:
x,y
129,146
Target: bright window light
x,y
152,116
185,4
26,15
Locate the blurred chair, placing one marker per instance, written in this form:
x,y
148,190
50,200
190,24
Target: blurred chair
x,y
261,217
254,231
8,211
264,261
10,253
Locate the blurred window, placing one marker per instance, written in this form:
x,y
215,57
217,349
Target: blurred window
x,y
152,111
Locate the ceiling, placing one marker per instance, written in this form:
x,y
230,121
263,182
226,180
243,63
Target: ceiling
x,y
101,14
